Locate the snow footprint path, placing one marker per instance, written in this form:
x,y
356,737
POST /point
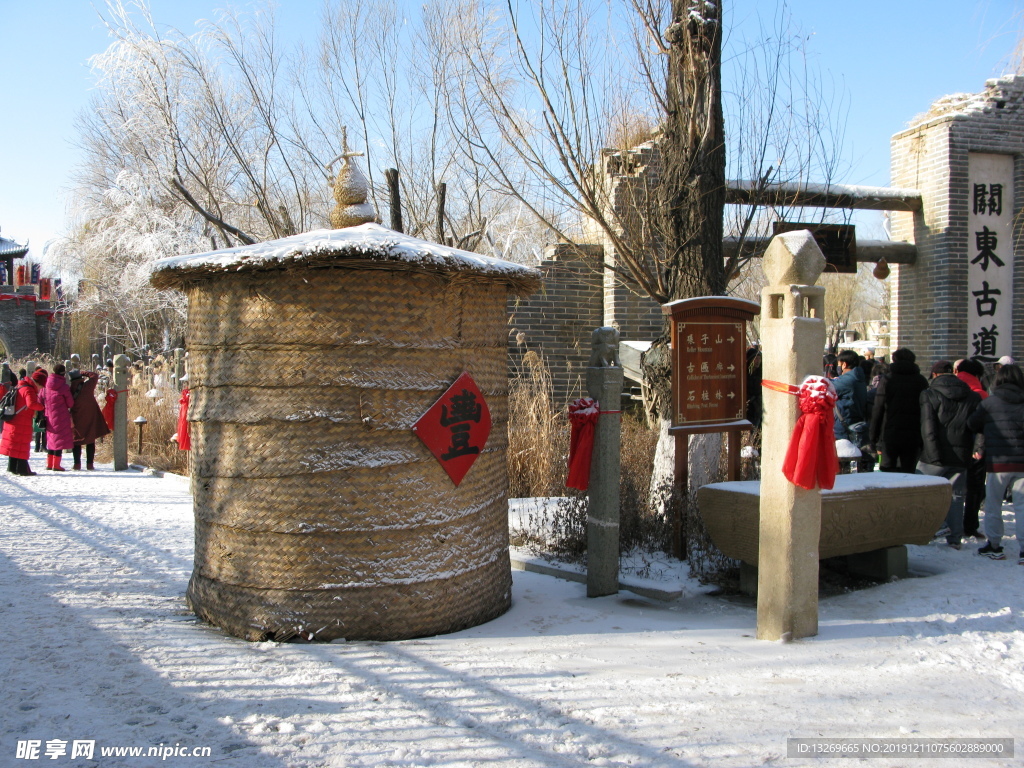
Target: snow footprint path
x,y
155,675
90,617
469,712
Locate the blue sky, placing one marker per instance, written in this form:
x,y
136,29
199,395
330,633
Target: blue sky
x,y
893,58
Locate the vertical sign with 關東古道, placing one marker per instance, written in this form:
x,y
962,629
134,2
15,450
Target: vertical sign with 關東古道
x,y
989,255
710,372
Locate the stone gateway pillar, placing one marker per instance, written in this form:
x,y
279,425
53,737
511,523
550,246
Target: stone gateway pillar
x,y
966,156
793,340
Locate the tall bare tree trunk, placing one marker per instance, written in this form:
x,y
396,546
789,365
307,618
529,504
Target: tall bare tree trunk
x,y
693,190
693,185
693,181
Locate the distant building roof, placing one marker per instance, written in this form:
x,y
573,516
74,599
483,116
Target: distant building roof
x,y
10,249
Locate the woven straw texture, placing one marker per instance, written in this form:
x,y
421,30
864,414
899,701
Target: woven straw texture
x,y
318,511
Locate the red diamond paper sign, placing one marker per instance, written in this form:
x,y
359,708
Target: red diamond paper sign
x,y
456,427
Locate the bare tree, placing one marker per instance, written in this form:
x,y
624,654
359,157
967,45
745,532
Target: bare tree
x,y
850,300
224,136
208,119
110,250
785,119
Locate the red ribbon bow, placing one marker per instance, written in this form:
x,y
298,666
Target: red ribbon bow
x,y
811,457
583,415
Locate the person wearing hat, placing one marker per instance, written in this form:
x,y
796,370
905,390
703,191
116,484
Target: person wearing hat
x,y
87,418
947,444
991,378
16,441
57,399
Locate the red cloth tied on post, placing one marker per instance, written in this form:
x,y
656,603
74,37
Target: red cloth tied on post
x,y
184,436
583,415
108,408
811,457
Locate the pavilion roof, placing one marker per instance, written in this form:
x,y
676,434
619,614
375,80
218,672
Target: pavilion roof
x,y
10,249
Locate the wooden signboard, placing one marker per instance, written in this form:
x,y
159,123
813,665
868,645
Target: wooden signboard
x,y
709,381
709,378
710,386
838,243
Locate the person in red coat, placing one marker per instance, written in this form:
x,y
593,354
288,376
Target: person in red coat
x,y
60,435
87,418
16,442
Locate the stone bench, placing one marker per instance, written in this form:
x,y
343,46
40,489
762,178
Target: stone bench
x,y
869,516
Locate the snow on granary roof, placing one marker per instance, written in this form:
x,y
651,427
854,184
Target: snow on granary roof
x,y
366,245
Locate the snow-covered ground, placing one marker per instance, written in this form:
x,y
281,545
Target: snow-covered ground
x,y
99,646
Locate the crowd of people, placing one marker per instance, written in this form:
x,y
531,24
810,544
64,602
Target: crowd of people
x,y
960,423
59,410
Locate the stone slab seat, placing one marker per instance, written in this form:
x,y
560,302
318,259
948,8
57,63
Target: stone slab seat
x,y
863,513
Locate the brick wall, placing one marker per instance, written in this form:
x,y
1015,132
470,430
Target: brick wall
x,y
556,322
580,293
929,298
576,296
632,176
23,332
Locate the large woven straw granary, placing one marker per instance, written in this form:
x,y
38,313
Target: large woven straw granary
x,y
319,513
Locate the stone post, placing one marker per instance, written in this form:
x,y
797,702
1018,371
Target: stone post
x,y
793,341
604,384
107,352
121,365
179,367
97,364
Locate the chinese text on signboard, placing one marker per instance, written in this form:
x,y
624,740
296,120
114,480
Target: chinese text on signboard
x,y
710,373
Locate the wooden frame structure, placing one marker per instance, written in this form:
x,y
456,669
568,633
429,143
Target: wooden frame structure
x,y
709,382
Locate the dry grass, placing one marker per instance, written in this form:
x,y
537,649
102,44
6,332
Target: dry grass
x,y
538,435
537,465
161,414
640,527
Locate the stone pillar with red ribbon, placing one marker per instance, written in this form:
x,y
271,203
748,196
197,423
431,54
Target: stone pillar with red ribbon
x,y
793,340
604,385
121,365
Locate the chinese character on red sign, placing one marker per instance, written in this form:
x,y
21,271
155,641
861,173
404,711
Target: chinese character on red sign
x,y
456,427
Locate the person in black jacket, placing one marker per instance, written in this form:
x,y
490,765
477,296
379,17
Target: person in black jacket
x,y
896,414
1000,418
947,442
972,371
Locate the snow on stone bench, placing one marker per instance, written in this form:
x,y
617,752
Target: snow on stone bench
x,y
862,513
